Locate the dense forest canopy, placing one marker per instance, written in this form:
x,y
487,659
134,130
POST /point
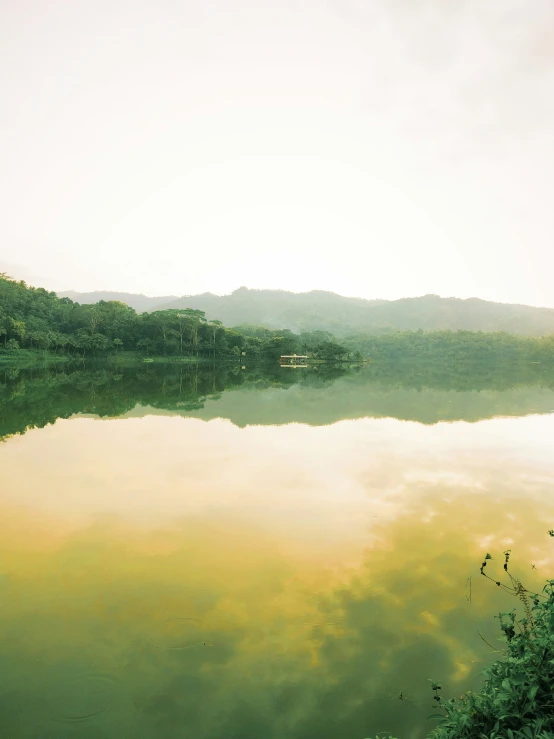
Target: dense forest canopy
x,y
33,318
468,347
325,311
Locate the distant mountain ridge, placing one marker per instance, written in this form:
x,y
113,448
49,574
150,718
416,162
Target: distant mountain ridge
x,y
320,310
141,303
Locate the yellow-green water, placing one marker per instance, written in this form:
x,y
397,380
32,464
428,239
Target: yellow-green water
x,y
166,576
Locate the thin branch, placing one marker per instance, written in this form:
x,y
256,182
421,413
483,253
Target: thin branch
x,y
487,643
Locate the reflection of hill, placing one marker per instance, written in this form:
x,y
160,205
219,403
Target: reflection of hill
x,y
266,396
320,407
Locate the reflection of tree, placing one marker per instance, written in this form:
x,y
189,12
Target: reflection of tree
x,y
321,394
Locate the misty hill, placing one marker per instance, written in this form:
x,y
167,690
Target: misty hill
x,y
141,303
319,310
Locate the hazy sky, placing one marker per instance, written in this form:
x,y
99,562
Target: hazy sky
x,y
379,148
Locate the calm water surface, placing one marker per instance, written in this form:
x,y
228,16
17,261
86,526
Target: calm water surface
x,y
272,572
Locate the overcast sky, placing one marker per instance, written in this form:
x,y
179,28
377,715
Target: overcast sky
x,y
378,148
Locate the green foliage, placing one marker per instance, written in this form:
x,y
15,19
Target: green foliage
x,y
35,319
467,349
517,698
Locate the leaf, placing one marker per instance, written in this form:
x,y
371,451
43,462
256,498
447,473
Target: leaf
x,y
438,716
519,679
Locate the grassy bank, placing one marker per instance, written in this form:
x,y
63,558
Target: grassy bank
x,y
132,358
129,358
31,357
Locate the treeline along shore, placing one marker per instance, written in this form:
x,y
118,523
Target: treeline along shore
x,y
36,321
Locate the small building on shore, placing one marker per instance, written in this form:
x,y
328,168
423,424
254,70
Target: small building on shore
x,y
294,360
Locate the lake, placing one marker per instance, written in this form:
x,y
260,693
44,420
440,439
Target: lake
x,y
238,553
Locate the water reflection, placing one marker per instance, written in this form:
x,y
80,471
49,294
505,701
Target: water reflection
x,y
163,576
273,395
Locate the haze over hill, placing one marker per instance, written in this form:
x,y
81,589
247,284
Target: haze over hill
x,y
348,145
320,310
141,303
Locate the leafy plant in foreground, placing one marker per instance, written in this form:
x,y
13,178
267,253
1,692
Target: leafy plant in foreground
x,y
517,698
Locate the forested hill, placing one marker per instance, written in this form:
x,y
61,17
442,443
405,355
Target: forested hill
x,y
34,319
319,310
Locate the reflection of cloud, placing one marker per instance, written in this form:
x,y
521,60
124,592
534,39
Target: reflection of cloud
x,y
314,628
406,609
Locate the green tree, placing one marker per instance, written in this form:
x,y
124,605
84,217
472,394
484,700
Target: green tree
x,y
330,350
